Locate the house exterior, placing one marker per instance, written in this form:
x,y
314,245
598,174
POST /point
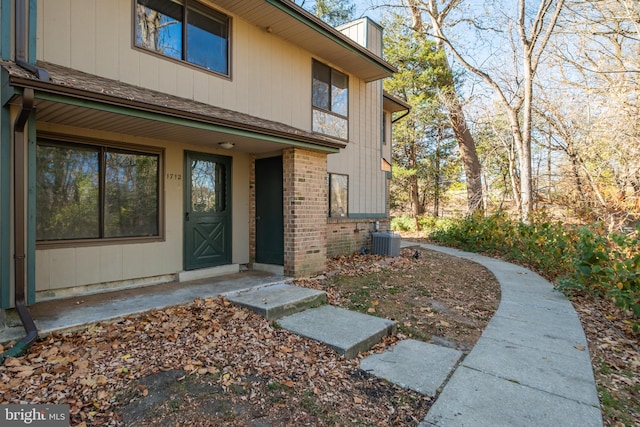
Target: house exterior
x,y
148,140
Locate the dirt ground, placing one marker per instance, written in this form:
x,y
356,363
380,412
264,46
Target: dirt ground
x,y
211,363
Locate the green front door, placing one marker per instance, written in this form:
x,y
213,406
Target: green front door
x,y
269,211
207,217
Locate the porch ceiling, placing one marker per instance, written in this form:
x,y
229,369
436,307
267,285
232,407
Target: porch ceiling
x,y
50,112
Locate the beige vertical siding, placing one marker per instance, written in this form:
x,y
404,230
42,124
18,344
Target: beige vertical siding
x,y
365,32
270,78
361,158
74,267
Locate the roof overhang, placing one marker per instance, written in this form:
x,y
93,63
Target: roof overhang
x,y
73,98
285,19
394,104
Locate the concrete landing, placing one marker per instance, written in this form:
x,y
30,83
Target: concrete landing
x,y
276,301
347,332
72,313
414,365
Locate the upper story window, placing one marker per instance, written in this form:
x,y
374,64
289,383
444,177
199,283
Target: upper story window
x,y
184,30
330,101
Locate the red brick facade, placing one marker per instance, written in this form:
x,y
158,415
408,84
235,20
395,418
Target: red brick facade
x,y
309,235
305,211
346,236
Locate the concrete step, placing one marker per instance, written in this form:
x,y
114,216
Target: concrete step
x,y
279,300
347,332
415,365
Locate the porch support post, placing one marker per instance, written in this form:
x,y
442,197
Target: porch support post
x,y
5,206
305,211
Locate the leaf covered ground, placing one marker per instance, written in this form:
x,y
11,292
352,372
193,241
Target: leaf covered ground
x,y
211,363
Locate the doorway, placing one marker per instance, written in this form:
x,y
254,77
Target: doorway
x,y
269,211
207,217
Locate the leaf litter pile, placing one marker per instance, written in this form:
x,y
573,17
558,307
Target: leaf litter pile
x,y
211,363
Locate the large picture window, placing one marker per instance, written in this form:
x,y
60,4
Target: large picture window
x,y
330,101
184,30
95,192
338,195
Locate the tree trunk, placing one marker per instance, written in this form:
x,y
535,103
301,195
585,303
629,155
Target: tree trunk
x,y
466,144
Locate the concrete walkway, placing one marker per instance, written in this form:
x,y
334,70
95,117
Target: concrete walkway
x,y
530,367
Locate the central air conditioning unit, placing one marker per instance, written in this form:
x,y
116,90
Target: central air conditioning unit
x,y
385,244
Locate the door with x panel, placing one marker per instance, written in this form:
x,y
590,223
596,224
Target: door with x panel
x,y
207,217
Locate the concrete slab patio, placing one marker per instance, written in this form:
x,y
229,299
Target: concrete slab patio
x,y
70,313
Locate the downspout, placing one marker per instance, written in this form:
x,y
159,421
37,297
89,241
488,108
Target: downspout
x,y
19,211
19,154
402,116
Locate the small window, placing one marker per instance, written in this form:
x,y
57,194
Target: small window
x,y
94,192
338,195
184,30
385,117
330,101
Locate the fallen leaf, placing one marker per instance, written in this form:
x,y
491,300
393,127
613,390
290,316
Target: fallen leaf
x,y
580,347
357,400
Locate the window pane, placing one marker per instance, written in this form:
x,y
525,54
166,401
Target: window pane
x,y
329,124
339,93
67,192
321,84
207,40
207,186
159,26
338,195
131,194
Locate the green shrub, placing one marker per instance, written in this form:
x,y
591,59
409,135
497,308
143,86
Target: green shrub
x,y
403,223
577,258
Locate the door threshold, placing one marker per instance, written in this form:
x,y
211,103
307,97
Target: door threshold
x,y
269,268
203,273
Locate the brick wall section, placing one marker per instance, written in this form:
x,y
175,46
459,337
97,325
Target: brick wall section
x,y
305,211
346,236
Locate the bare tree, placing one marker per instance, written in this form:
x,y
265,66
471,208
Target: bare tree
x,y
597,56
527,32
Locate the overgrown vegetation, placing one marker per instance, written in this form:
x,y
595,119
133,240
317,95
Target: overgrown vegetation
x,y
576,258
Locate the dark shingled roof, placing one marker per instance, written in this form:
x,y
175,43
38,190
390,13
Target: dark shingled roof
x,y
77,84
